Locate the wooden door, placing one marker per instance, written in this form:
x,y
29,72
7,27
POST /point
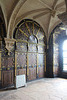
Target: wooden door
x,y
7,71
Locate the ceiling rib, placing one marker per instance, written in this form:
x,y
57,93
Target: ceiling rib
x,y
34,11
60,5
66,4
61,10
46,5
49,22
54,4
41,14
49,9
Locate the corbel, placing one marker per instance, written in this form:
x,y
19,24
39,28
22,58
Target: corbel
x,y
9,44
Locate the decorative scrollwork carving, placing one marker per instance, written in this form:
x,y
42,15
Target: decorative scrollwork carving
x,y
9,44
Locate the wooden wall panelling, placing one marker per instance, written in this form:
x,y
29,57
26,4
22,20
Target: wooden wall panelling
x,y
21,46
32,73
4,65
31,36
45,63
21,63
7,71
27,66
41,61
32,57
21,71
41,66
11,70
32,65
7,66
37,65
7,78
15,69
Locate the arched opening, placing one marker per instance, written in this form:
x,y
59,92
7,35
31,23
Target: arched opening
x,y
64,49
59,51
30,49
55,52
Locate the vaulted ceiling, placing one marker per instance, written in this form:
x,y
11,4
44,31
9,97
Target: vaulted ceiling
x,y
42,11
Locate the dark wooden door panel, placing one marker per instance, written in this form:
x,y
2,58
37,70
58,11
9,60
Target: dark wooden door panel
x,y
41,67
41,72
7,71
7,78
32,66
21,71
32,73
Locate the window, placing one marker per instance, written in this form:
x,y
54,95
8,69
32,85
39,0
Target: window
x,y
65,55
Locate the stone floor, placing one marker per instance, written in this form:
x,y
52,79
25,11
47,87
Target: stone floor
x,y
43,89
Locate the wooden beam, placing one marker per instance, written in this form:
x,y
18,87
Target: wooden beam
x,y
28,28
23,32
45,63
41,37
15,63
33,28
27,66
38,31
37,63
